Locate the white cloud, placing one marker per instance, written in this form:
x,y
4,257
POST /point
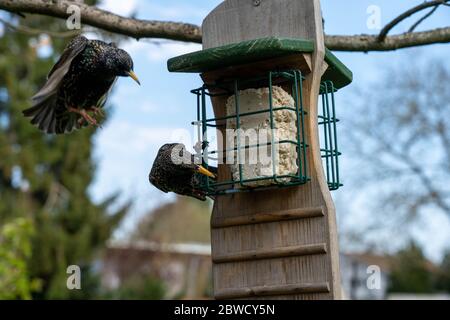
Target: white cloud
x,y
148,107
153,10
181,11
133,46
124,152
128,138
121,7
168,50
157,51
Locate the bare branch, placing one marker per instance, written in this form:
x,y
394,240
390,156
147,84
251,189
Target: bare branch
x,y
407,14
406,154
33,32
137,28
367,43
414,26
108,21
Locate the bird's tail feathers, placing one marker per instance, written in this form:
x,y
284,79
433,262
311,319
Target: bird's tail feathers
x,y
43,115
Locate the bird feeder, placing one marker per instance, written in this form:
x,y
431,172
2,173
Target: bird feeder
x,y
265,68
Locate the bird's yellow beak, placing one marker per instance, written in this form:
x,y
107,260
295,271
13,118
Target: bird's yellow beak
x,y
133,76
205,172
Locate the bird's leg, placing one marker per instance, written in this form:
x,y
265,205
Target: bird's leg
x,y
97,111
82,112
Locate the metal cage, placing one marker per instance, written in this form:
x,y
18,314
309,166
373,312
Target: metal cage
x,y
292,80
329,145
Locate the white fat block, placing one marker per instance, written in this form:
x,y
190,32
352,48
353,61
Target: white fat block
x,y
257,161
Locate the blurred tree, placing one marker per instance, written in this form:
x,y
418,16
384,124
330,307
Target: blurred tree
x,y
168,222
185,220
15,252
398,135
138,287
443,279
43,177
411,272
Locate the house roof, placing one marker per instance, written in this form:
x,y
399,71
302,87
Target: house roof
x,y
181,248
383,261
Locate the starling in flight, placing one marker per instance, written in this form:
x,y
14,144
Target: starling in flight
x,y
174,170
78,84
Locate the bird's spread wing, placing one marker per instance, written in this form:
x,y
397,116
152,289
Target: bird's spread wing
x,y
75,46
60,69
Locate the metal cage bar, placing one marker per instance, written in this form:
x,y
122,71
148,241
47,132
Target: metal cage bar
x,y
329,152
294,80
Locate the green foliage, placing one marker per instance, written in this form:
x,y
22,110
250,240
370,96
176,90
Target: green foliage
x,y
46,178
90,286
139,288
168,222
443,278
15,250
411,271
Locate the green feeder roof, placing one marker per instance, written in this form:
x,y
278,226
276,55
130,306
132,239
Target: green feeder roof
x,y
253,50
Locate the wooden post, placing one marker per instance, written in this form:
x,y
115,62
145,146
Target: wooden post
x,y
280,243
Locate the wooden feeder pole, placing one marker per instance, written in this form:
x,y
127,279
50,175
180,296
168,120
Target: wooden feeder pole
x,y
280,243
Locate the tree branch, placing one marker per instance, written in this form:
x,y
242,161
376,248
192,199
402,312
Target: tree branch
x,y
367,43
426,16
108,21
137,28
34,32
407,14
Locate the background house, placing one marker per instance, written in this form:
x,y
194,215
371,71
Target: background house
x,y
184,269
355,272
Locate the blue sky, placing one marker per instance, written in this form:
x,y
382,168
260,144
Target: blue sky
x,y
145,117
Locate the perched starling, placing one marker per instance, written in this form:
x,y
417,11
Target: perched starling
x,y
78,84
174,170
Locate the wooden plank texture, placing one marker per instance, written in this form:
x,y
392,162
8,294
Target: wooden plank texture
x,y
291,214
240,20
273,290
247,226
271,253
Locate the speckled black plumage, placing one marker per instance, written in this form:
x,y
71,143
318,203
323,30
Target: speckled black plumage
x,y
79,81
181,178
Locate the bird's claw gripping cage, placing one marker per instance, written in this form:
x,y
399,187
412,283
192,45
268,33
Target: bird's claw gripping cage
x,y
292,79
